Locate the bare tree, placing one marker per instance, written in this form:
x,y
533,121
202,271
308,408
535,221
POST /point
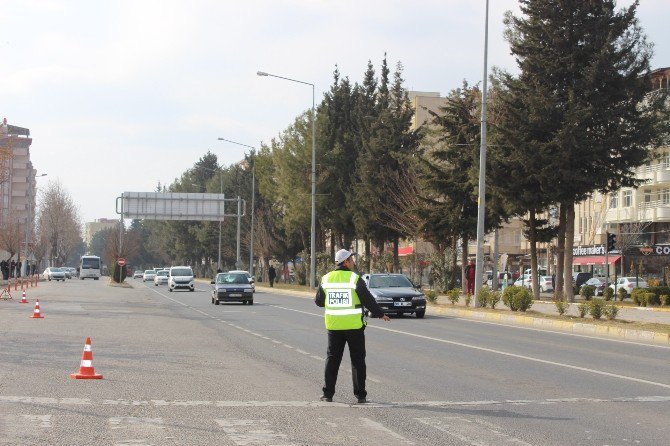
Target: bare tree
x,y
11,237
58,223
629,236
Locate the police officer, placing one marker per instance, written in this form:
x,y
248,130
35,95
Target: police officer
x,y
345,296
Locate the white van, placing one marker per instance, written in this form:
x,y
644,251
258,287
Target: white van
x,y
180,277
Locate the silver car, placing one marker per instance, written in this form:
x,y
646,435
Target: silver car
x,y
52,273
161,278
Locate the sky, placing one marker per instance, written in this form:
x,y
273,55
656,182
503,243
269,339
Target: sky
x,y
122,95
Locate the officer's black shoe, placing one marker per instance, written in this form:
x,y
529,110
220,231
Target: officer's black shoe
x,y
362,400
328,399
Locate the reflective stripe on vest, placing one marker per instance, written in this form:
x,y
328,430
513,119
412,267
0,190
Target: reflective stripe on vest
x,y
341,301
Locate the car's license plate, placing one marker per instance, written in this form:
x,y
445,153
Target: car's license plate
x,y
402,304
235,295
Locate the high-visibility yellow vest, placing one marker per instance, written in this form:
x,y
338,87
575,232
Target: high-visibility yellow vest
x,y
342,301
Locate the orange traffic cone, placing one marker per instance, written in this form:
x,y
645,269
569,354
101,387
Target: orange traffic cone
x,y
86,370
23,298
36,312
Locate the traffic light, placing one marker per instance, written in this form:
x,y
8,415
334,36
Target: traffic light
x,y
611,241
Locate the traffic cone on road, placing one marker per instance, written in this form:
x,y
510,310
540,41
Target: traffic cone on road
x,y
86,370
36,312
23,298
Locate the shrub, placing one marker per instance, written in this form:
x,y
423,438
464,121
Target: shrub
x,y
454,295
651,299
468,299
611,311
657,291
596,308
622,294
654,282
561,306
583,309
494,298
483,296
608,293
638,296
665,299
588,291
431,296
517,298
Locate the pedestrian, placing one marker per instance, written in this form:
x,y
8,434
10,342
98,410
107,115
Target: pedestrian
x,y
12,268
470,277
345,297
18,269
272,275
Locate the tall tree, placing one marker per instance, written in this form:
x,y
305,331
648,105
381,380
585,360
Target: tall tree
x,y
584,83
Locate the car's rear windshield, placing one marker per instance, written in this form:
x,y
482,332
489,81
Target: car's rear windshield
x,y
149,271
56,270
232,278
389,281
181,272
161,273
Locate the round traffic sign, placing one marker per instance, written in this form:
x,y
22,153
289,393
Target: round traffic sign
x,y
121,261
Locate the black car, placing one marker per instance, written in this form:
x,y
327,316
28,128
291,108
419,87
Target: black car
x,y
232,287
396,294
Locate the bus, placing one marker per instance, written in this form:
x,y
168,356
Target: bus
x,y
90,267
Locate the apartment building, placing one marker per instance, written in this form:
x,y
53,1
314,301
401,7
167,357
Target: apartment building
x,y
640,218
93,227
17,190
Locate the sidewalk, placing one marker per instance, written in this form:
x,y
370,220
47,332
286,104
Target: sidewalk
x,y
545,305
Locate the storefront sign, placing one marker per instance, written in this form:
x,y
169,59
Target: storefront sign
x,y
595,250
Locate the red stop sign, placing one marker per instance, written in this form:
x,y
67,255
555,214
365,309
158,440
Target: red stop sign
x,y
121,261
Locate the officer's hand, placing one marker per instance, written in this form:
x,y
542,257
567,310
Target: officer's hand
x,y
385,318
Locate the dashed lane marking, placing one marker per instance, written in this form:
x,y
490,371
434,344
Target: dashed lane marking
x,y
472,431
246,330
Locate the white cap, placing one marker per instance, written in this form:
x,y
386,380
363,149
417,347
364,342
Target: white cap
x,y
342,255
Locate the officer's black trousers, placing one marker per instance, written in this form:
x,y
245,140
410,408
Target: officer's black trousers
x,y
336,342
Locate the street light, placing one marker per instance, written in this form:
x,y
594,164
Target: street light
x,y
312,265
479,267
253,195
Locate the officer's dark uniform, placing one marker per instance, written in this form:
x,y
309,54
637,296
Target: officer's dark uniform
x,y
353,334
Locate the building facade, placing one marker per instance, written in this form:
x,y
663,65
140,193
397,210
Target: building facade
x,y
17,192
93,227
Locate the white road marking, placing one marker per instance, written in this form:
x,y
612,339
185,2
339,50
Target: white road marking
x,y
503,353
251,432
371,424
47,401
472,431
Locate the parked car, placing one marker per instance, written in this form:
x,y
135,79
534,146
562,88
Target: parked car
x,y
66,271
161,278
52,273
249,278
232,287
596,282
526,283
501,277
546,284
580,277
629,284
180,277
396,294
138,275
148,275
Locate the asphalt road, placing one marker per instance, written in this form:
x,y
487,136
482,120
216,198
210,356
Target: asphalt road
x,y
181,371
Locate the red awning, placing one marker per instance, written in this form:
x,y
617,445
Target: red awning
x,y
594,260
405,251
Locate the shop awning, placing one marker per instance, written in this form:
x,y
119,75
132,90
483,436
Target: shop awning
x,y
594,260
407,250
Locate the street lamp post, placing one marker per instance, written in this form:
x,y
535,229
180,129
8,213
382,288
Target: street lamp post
x,y
253,196
479,267
312,253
